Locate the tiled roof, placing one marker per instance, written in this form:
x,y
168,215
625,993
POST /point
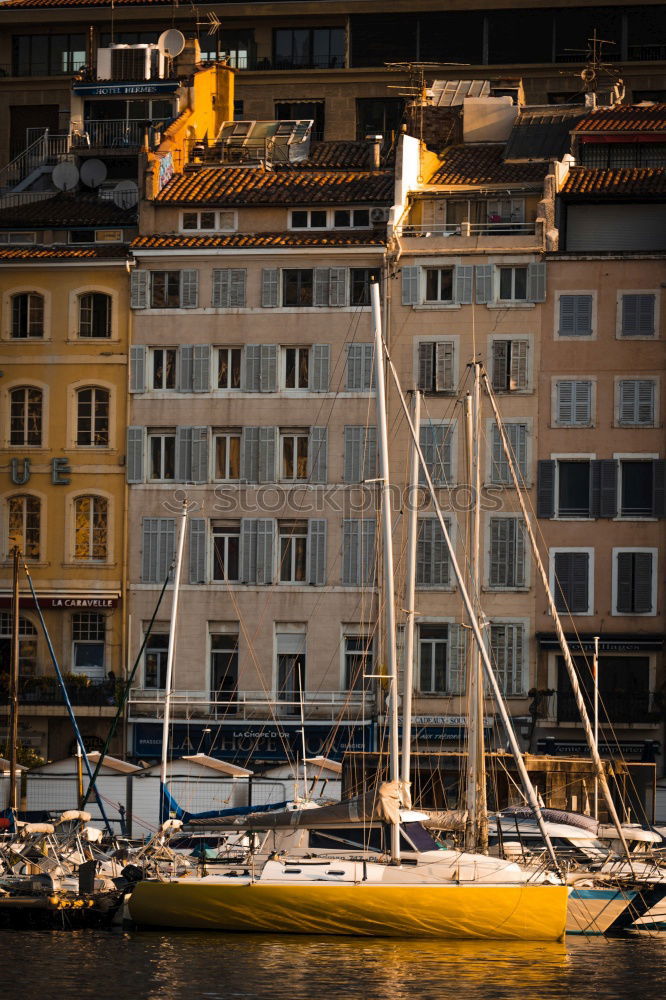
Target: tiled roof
x,y
645,182
484,164
339,156
240,186
647,118
67,209
252,241
111,251
83,3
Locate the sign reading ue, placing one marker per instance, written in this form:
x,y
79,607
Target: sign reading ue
x,y
20,473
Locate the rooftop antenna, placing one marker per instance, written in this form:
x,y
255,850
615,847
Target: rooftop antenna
x,y
593,70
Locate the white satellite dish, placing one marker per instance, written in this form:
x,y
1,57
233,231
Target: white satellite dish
x,y
171,43
125,194
93,173
65,175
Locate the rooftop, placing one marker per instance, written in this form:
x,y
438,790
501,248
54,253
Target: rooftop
x,y
644,182
484,163
66,209
253,241
542,133
55,251
624,118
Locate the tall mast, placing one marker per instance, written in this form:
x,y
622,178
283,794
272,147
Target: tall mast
x,y
387,545
410,587
14,685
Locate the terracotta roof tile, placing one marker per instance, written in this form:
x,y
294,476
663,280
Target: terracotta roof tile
x,y
111,251
645,182
67,209
250,241
484,164
339,156
648,118
83,3
240,186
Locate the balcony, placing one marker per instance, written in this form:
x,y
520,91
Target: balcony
x,y
473,235
46,690
322,706
120,135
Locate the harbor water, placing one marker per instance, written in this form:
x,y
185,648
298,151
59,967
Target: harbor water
x,y
113,965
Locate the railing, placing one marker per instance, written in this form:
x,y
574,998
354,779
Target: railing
x,y
647,53
47,691
468,229
624,708
46,150
108,135
243,705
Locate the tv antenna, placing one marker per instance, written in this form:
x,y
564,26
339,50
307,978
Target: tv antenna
x,y
595,68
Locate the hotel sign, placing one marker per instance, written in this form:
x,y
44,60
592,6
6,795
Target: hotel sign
x,y
66,602
125,89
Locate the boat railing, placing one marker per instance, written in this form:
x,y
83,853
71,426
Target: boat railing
x,y
148,703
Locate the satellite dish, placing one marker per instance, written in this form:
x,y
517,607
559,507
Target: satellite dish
x,y
65,175
93,172
125,194
171,43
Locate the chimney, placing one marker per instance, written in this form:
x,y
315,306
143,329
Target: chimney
x,y
376,141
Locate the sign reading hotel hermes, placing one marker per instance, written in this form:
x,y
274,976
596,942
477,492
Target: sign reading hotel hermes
x,y
121,89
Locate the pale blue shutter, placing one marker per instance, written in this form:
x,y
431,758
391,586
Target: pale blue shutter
x,y
199,456
410,286
185,368
582,403
248,550
250,454
183,453
269,366
443,365
484,283
137,369
317,552
158,542
321,286
354,380
139,289
456,657
189,289
201,368
320,367
265,538
350,552
221,288
317,454
565,403
237,288
354,437
337,295
575,316
463,279
367,554
426,372
251,373
536,282
370,453
268,446
135,451
638,315
197,550
269,287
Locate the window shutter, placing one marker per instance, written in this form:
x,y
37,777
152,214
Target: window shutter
x,y
269,287
499,552
624,594
238,288
368,366
500,355
518,636
636,402
568,315
269,366
603,488
370,453
268,444
443,365
642,583
432,555
518,366
189,289
582,403
435,441
158,537
135,452
321,286
456,657
198,550
185,368
317,454
248,550
317,552
463,279
565,407
350,552
337,295
484,283
519,553
183,453
659,488
251,373
265,536
321,366
638,315
546,488
427,445
137,369
250,454
199,459
426,373
579,595
354,441
367,552
201,368
536,282
517,437
500,467
139,289
221,288
410,286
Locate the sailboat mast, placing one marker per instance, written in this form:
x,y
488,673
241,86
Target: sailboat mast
x,y
410,588
387,545
14,685
168,680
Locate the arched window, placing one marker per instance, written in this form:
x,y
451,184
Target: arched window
x,y
94,315
25,415
92,417
27,315
27,644
91,529
24,524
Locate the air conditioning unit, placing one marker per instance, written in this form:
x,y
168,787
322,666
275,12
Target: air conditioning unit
x,y
379,215
130,62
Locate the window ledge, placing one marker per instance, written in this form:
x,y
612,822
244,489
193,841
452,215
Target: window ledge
x,y
506,590
646,518
634,614
89,564
510,304
437,306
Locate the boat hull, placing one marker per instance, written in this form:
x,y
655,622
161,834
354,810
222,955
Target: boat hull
x,y
521,913
593,911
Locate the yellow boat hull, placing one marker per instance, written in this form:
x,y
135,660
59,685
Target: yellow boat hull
x,y
515,913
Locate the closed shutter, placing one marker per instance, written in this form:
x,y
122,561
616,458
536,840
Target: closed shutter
x,y
507,651
199,458
139,289
251,373
435,442
410,286
625,583
536,282
268,446
499,552
518,365
197,550
317,551
189,289
368,366
463,280
354,441
571,582
360,374
574,403
426,372
201,368
137,369
432,555
337,295
320,368
659,488
229,288
269,287
250,454
185,368
642,583
516,435
269,368
350,552
616,227
638,315
370,453
484,283
575,316
317,454
136,437
183,453
500,356
265,541
367,556
158,541
456,659
321,286
636,402
546,488
248,550
238,288
443,366
565,409
603,488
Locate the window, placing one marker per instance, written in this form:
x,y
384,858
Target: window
x,y
358,653
199,220
90,527
224,669
571,580
575,315
309,48
634,581
88,637
227,446
290,680
360,458
432,554
637,315
18,237
378,115
506,566
173,289
92,417
441,659
297,287
505,213
226,551
435,366
635,403
436,441
507,643
162,455
296,366
163,367
157,548
309,218
155,660
358,552
510,372
293,551
229,367
27,315
351,218
439,284
359,285
94,315
573,403
512,284
25,416
314,111
294,455
573,493
229,288
27,642
24,525
636,488
500,473
360,367
48,55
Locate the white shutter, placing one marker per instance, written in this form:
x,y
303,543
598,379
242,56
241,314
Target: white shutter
x,y
320,368
321,286
251,373
582,403
463,279
201,368
410,286
565,407
189,289
139,289
484,283
518,365
456,657
137,368
269,287
269,369
444,366
337,286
